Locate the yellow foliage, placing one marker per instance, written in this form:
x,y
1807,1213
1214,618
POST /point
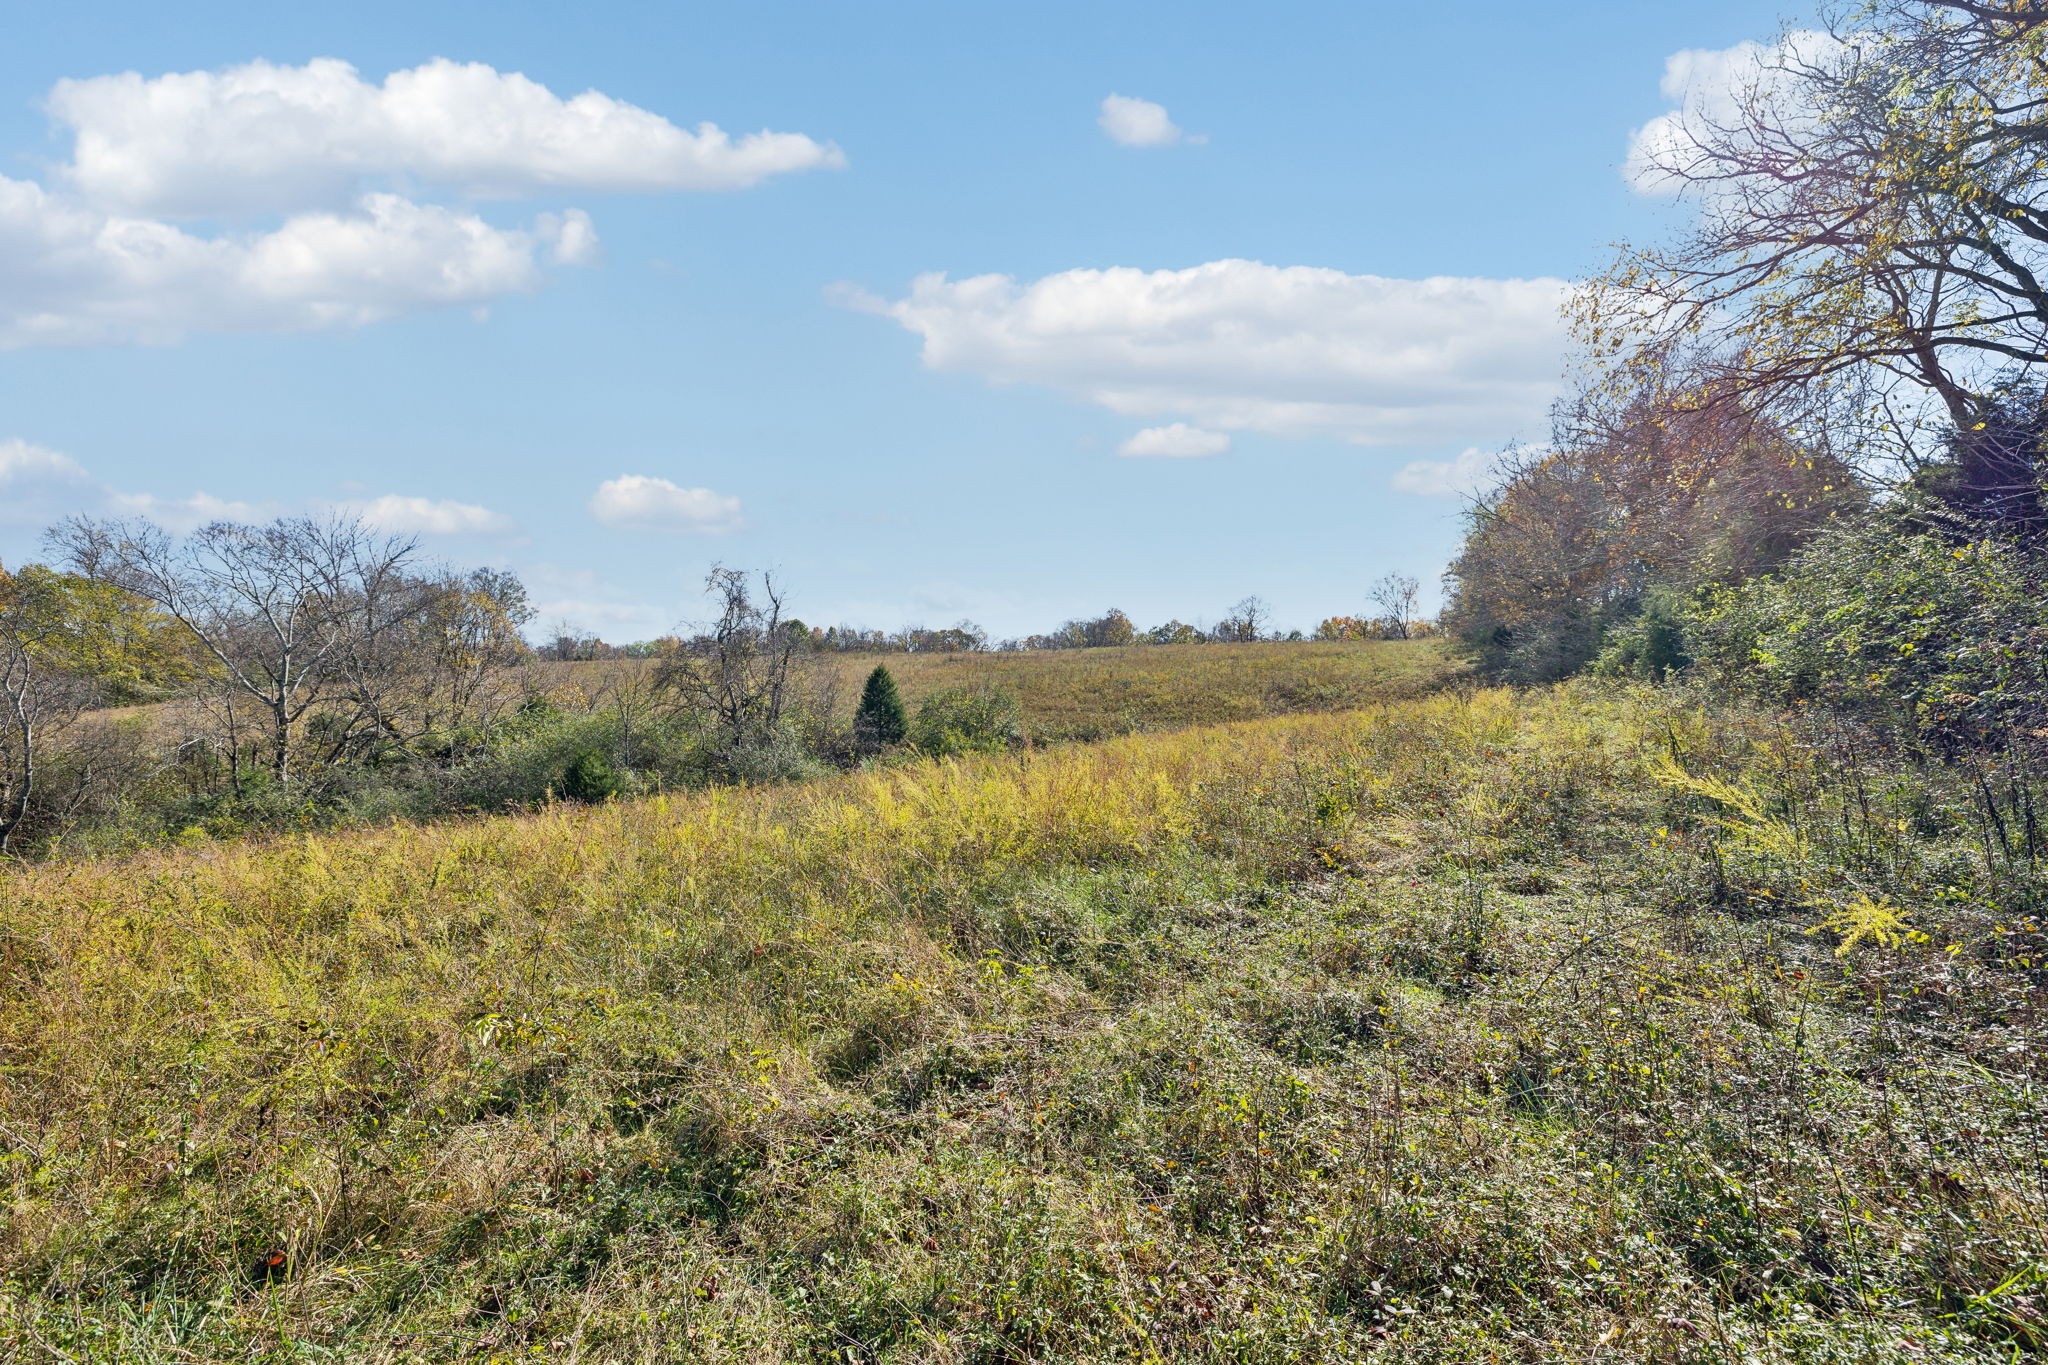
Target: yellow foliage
x,y
1867,919
1747,822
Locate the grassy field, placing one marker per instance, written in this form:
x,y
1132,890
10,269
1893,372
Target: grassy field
x,y
1577,1025
1093,693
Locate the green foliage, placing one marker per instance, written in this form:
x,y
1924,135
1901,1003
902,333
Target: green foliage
x,y
590,778
880,719
1649,646
1923,633
959,720
1175,632
1652,488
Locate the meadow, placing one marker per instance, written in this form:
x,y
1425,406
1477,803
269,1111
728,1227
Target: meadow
x,y
1068,694
1594,1023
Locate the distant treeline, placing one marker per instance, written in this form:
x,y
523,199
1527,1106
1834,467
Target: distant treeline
x,y
1249,622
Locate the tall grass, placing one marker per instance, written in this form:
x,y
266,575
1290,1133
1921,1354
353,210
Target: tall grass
x,y
1483,1027
1093,693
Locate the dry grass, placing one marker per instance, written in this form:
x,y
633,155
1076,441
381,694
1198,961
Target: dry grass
x,y
1092,693
1445,1030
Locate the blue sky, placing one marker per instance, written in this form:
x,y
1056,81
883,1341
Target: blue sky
x,y
388,301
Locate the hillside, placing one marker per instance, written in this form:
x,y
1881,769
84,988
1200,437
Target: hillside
x,y
1570,1024
1090,693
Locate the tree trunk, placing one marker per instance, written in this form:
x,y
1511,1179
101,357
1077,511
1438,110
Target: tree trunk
x,y
10,819
281,746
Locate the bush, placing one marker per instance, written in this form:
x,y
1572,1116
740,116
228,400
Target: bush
x,y
590,778
1651,645
1934,636
958,720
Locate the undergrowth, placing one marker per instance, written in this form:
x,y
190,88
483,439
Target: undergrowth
x,y
1572,1025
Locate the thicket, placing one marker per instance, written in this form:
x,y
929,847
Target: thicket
x,y
1809,461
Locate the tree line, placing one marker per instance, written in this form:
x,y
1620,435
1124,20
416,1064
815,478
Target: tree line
x,y
1395,615
1806,457
316,669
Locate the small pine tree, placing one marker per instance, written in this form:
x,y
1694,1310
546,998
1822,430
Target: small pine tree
x,y
881,720
590,778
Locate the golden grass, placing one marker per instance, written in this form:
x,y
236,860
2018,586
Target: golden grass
x,y
1089,693
1235,1043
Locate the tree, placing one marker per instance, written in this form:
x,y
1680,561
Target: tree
x,y
1175,632
1395,595
37,697
425,672
1246,623
1870,227
1658,487
737,672
127,648
962,637
280,610
880,720
1350,628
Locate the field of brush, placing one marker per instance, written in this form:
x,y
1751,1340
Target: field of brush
x,y
1576,1025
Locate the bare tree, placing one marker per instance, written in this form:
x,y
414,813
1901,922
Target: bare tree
x,y
1246,623
282,610
35,702
1870,236
737,671
424,662
1395,594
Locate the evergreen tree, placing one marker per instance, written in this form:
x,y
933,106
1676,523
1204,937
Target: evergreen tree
x,y
880,721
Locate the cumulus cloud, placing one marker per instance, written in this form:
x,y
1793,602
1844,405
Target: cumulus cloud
x,y
1240,345
263,138
1176,442
401,515
74,275
326,182
1139,123
1471,471
638,502
1706,88
39,486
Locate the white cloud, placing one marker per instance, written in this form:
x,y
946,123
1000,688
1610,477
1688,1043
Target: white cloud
x,y
1139,123
1707,88
571,237
39,487
637,502
264,138
72,275
400,515
1471,471
1240,345
1178,441
94,257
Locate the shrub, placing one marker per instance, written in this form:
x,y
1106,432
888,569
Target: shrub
x,y
590,778
1651,645
958,720
1934,636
